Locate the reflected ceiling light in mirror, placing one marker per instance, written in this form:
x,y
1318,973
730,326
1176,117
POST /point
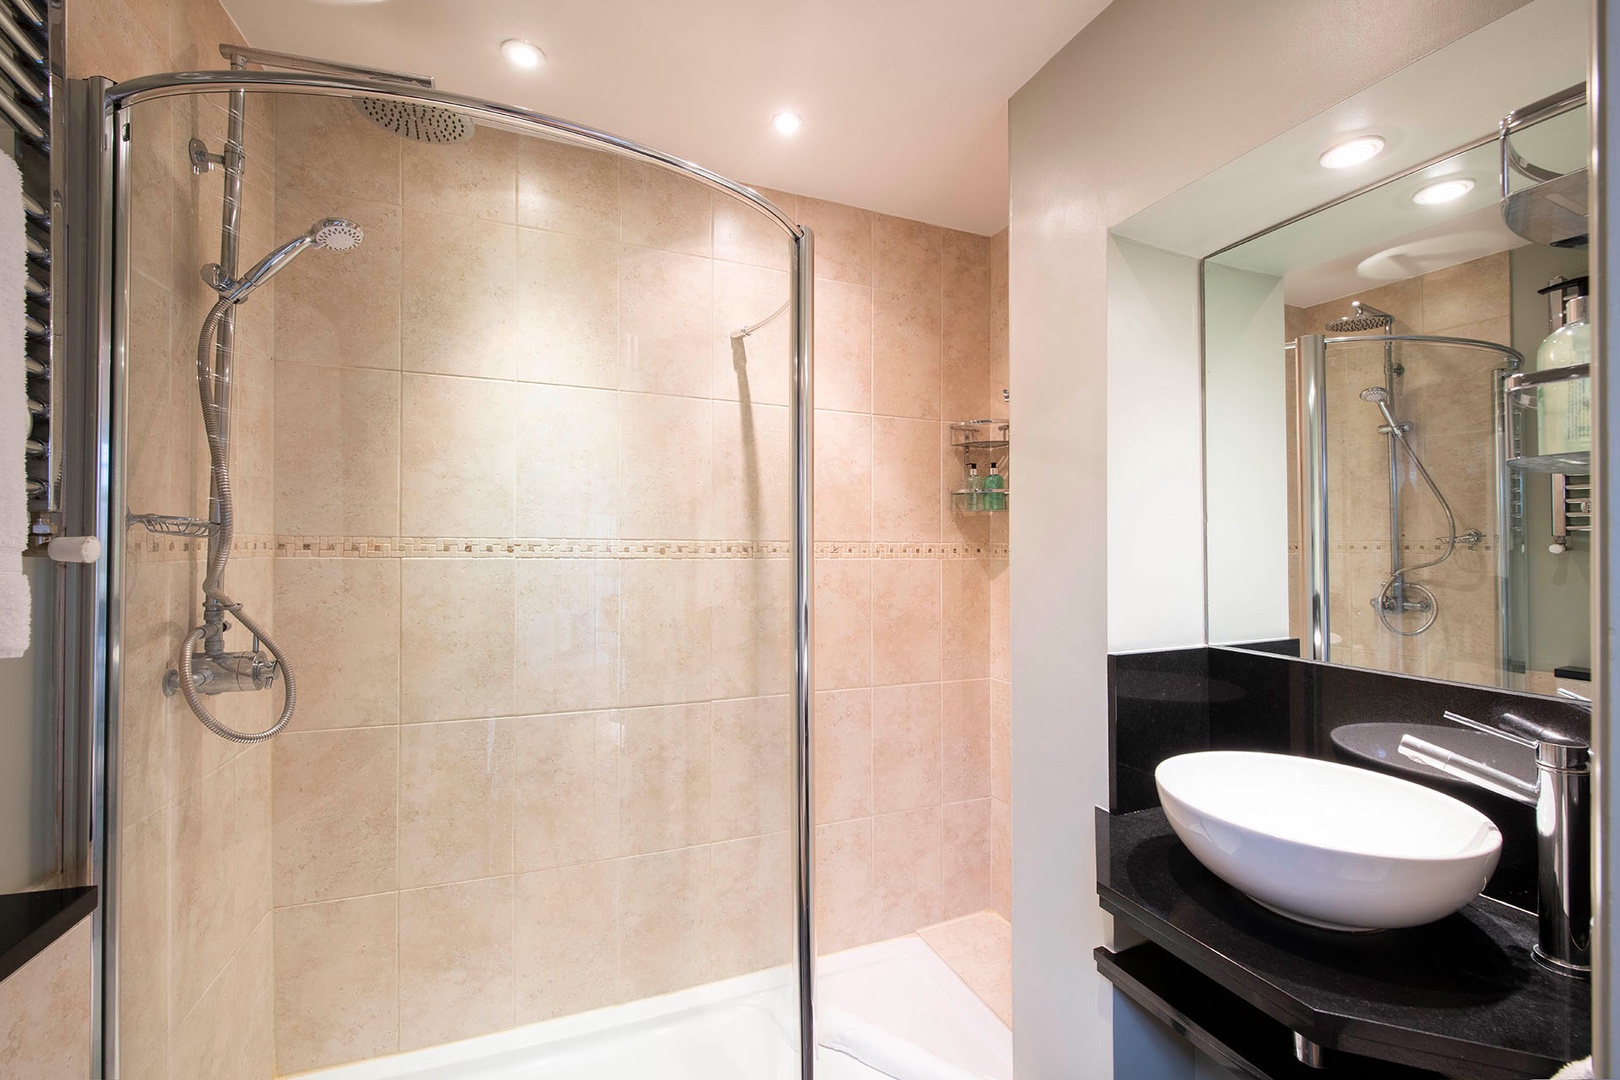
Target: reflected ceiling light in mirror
x,y
1352,152
522,54
1443,191
787,122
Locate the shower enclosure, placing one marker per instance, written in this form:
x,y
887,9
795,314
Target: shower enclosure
x,y
1406,512
528,513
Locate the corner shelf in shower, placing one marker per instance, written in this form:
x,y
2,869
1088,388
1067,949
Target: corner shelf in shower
x,y
989,438
1576,462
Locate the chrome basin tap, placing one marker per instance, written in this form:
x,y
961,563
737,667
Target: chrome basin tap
x,y
1562,797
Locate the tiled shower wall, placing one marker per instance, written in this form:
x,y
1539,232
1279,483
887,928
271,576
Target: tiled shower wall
x,y
1447,394
193,896
532,519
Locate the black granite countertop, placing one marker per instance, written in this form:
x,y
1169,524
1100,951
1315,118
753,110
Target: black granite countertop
x,y
31,921
1460,996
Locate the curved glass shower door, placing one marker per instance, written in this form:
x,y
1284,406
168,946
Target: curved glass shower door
x,y
1417,515
516,500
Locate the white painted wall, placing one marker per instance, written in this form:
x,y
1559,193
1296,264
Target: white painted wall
x,y
1245,454
1155,417
1149,97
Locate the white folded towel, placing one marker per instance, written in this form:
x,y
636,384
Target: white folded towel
x,y
883,1051
1575,1070
15,598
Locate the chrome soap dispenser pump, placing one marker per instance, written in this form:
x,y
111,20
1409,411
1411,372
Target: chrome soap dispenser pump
x,y
1562,798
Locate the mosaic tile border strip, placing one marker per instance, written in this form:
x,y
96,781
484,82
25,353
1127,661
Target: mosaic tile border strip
x,y
1356,547
462,547
158,547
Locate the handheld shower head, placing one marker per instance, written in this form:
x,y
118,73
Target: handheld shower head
x,y
1379,396
1362,317
334,234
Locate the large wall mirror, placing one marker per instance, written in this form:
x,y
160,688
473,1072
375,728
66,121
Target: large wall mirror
x,y
1397,408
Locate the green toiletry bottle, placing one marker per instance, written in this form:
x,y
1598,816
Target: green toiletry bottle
x,y
1564,409
996,485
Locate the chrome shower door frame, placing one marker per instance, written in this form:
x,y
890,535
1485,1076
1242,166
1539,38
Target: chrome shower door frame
x,y
99,138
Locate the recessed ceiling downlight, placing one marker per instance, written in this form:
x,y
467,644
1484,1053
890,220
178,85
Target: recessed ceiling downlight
x,y
1443,191
787,122
1352,152
522,54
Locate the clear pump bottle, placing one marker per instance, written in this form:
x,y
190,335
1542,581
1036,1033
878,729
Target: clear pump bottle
x,y
1564,410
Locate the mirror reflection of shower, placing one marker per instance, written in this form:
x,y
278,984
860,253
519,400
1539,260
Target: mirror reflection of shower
x,y
1399,596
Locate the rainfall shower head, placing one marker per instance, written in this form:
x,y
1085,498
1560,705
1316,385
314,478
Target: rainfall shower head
x,y
333,234
1361,317
420,123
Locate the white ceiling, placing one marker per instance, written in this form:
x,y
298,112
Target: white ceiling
x,y
904,101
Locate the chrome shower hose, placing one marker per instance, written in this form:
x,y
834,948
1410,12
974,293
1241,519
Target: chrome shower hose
x,y
213,583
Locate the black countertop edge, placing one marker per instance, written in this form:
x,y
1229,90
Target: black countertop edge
x,y
1223,1025
31,921
1460,996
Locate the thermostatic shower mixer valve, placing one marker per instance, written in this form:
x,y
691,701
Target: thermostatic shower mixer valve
x,y
221,672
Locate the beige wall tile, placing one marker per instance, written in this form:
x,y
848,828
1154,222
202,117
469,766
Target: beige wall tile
x,y
336,982
751,642
143,945
666,455
666,303
843,755
968,858
567,461
567,634
843,323
158,450
906,867
112,40
567,309
979,949
1467,293
336,804
202,897
757,368
339,308
457,658
337,451
746,234
906,256
906,480
659,208
843,240
476,177
455,801
309,128
906,355
666,620
843,610
752,767
1000,741
753,473
751,922
664,922
567,940
205,1041
965,626
569,189
844,896
566,778
458,460
665,777
251,851
152,635
967,723
843,476
458,312
455,961
1000,624
45,1011
905,621
906,747
340,619
1001,853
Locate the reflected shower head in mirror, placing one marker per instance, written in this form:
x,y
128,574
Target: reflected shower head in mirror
x,y
419,123
1362,317
333,234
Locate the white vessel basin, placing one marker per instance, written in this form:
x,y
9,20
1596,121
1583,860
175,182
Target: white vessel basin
x,y
1328,844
